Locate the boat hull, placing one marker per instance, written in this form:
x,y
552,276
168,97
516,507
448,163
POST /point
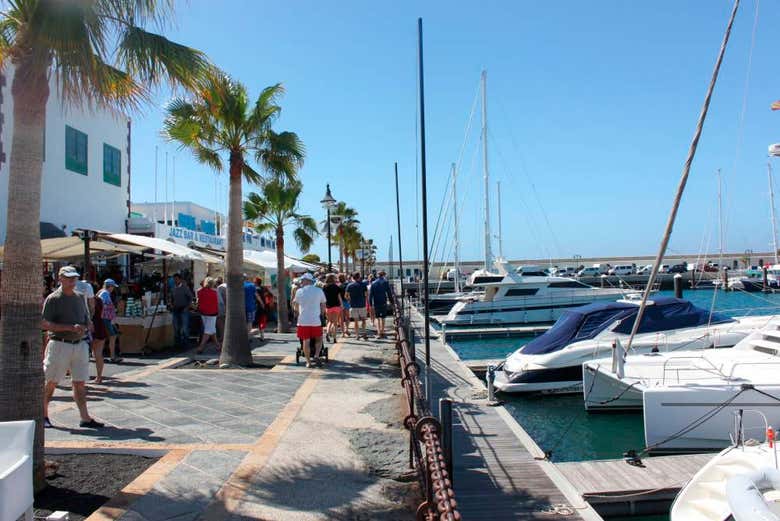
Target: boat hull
x,y
700,418
603,392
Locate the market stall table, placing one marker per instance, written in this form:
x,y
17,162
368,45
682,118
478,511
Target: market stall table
x,y
134,331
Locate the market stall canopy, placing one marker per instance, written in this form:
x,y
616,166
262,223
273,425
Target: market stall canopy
x,y
172,248
267,259
65,248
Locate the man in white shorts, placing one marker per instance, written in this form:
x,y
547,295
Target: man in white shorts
x,y
67,319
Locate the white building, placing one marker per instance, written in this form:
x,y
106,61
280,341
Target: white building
x,y
187,223
86,166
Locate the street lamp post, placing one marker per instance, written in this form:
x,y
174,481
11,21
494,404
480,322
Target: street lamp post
x,y
328,202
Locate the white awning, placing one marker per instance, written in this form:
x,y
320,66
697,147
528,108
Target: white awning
x,y
172,248
266,259
65,248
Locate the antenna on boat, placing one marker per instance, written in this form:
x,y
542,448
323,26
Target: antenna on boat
x,y
455,220
486,176
683,177
774,150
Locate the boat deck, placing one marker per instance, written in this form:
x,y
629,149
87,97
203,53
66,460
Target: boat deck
x,y
614,487
460,332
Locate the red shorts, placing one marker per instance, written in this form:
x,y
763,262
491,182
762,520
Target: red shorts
x,y
307,332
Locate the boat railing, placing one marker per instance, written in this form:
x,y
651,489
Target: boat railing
x,y
739,430
676,370
744,363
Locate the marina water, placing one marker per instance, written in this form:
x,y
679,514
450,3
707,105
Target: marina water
x,y
560,425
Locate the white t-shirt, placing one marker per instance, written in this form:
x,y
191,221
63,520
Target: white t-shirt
x,y
85,289
309,299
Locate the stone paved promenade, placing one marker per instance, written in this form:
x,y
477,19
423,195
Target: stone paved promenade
x,y
280,443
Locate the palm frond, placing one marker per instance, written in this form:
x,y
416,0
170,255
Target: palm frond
x,y
303,239
154,59
251,175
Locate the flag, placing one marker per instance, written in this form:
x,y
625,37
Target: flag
x,y
776,105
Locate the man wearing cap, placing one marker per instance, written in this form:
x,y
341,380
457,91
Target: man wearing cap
x,y
309,302
67,320
378,295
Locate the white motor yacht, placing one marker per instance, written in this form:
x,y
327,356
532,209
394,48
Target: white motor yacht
x,y
742,483
526,299
553,361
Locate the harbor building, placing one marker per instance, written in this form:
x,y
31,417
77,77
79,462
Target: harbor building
x,y
86,160
189,224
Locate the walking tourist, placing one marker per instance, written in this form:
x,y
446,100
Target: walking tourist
x,y
67,321
208,305
85,289
250,303
379,295
357,295
222,302
181,300
309,302
344,318
109,316
261,314
99,334
332,306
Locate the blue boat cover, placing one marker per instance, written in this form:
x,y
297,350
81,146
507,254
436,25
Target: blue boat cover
x,y
666,313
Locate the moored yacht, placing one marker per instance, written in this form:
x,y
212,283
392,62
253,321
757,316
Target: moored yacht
x,y
623,386
553,361
526,299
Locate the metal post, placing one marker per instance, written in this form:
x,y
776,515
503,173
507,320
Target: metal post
x,y
426,315
445,419
87,270
398,219
765,277
725,278
678,291
330,265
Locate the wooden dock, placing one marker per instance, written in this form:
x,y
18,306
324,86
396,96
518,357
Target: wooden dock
x,y
613,487
498,471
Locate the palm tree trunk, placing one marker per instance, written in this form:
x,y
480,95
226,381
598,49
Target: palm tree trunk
x,y
282,325
21,372
341,253
236,348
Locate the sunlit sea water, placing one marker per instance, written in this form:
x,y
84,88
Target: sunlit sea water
x,y
560,424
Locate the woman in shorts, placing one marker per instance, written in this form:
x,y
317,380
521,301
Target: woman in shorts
x,y
208,305
333,306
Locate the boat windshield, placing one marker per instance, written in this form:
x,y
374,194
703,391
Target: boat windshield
x,y
588,321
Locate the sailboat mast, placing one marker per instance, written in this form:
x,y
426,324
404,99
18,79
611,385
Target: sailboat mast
x,y
457,227
772,208
500,235
486,176
720,216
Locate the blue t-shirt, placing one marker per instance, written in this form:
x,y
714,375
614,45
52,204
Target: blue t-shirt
x,y
357,294
379,292
249,297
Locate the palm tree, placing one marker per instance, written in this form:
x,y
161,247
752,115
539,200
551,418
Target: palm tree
x,y
348,219
219,119
274,210
98,54
352,240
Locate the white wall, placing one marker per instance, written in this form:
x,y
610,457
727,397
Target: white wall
x,y
69,198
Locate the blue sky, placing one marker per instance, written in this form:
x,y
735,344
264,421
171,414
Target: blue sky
x,y
591,109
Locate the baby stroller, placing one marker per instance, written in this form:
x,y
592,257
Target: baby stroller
x,y
299,354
